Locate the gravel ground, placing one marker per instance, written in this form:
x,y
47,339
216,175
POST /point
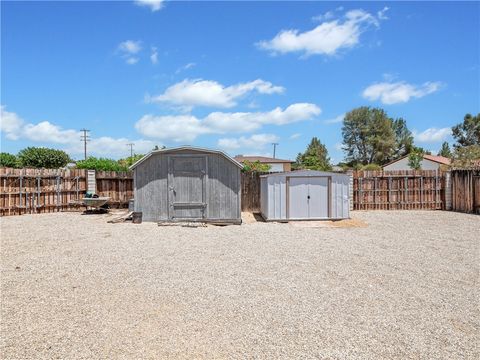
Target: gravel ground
x,y
404,287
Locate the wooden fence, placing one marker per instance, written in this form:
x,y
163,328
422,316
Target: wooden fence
x,y
398,190
466,190
29,191
251,191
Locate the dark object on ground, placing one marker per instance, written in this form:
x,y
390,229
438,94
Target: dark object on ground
x,y
137,217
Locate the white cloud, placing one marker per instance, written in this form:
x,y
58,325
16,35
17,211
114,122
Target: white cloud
x,y
326,39
399,92
187,127
189,93
326,16
128,49
154,5
47,133
10,124
335,120
154,55
185,67
256,141
381,14
295,136
432,135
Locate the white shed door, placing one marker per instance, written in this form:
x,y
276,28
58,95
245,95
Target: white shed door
x,y
308,198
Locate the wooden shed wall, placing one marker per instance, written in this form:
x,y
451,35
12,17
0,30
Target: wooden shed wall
x,y
222,187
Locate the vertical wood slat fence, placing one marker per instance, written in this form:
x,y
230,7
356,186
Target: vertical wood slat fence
x,y
466,190
398,190
251,191
30,191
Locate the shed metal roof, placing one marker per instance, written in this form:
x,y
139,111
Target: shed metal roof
x,y
168,150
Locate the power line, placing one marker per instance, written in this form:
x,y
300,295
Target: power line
x,y
274,149
85,138
131,149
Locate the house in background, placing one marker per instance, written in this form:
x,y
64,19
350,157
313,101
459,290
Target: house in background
x,y
276,165
429,162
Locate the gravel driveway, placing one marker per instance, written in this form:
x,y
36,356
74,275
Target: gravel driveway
x,y
404,287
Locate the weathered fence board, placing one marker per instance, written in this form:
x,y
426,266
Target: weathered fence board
x,y
251,191
398,190
29,191
466,191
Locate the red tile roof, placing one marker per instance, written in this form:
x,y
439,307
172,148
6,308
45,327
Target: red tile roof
x,y
438,159
261,159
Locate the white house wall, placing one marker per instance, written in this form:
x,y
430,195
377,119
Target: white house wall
x,y
402,164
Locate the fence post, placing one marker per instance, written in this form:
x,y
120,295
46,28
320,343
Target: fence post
x,y
448,190
350,188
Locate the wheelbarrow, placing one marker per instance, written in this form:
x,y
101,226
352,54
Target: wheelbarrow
x,y
95,205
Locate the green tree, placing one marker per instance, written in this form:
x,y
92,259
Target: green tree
x,y
467,133
415,158
41,157
129,161
8,160
445,150
93,163
466,156
315,157
255,166
369,136
403,138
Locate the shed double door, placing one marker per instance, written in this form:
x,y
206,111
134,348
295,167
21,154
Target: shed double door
x,y
308,198
187,187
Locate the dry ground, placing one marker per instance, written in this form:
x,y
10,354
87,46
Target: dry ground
x,y
406,286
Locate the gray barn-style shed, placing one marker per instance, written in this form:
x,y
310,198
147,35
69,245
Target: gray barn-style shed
x,y
188,184
304,195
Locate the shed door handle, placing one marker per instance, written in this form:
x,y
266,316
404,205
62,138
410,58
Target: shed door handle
x,y
308,197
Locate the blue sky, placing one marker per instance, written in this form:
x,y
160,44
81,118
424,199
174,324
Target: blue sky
x,y
231,75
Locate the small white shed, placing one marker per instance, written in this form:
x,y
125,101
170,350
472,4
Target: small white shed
x,y
304,195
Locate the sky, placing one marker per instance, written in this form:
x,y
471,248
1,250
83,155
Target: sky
x,y
235,76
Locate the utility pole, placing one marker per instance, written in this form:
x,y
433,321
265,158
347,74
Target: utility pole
x,y
85,138
274,148
131,149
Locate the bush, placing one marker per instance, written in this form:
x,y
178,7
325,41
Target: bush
x,y
93,163
129,161
8,160
40,157
371,167
255,166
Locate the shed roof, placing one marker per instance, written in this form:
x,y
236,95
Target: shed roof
x,y
199,149
261,159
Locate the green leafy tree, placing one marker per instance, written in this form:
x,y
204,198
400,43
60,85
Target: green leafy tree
x,y
8,160
93,163
466,156
467,133
445,150
41,157
415,158
369,136
315,157
255,166
129,161
403,138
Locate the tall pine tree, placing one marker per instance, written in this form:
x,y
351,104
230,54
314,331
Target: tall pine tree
x,y
315,157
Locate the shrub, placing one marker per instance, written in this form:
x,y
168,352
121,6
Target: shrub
x,y
8,160
93,163
255,166
41,157
372,167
